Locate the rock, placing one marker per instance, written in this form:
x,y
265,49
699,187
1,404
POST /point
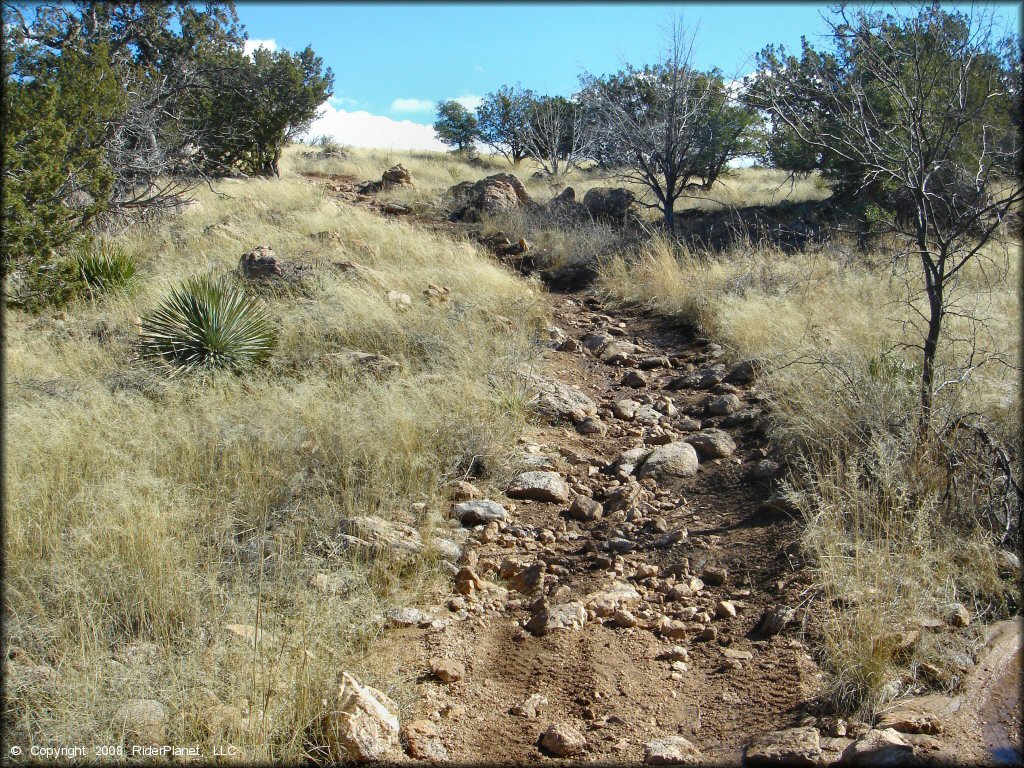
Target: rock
x,y
594,343
723,405
591,425
143,722
609,203
618,352
652,361
399,300
625,409
467,581
584,508
447,670
634,379
774,620
397,174
624,497
479,512
675,653
539,486
529,580
958,615
628,462
725,609
743,372
714,575
559,401
671,750
624,619
376,537
712,443
792,746
362,725
668,462
765,470
566,616
408,617
562,741
733,653
907,718
647,416
617,595
423,741
497,193
531,707
463,491
260,262
394,209
879,747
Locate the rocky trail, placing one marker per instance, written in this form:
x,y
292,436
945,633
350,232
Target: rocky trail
x,y
635,594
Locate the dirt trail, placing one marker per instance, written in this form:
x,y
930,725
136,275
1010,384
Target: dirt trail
x,y
620,680
606,681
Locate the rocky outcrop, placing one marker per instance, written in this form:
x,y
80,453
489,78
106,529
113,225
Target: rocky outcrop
x,y
260,262
362,725
498,193
608,203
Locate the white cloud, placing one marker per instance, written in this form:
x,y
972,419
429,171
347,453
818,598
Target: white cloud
x,y
252,44
412,105
478,68
469,101
344,101
362,129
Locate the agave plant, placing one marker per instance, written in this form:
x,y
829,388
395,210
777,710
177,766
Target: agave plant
x,y
107,267
206,323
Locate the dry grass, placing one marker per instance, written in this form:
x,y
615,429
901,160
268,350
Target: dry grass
x,y
143,515
833,328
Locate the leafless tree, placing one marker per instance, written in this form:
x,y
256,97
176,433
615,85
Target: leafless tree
x,y
556,134
668,127
918,107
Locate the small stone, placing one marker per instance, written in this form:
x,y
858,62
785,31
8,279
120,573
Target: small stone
x,y
774,620
708,634
531,707
562,741
585,509
447,670
667,462
879,747
408,617
565,617
671,750
423,741
725,609
624,619
714,575
724,405
792,746
675,653
732,653
591,425
399,300
361,725
712,444
480,512
539,486
463,491
634,379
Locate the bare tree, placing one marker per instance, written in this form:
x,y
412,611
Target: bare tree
x,y
666,125
916,109
556,134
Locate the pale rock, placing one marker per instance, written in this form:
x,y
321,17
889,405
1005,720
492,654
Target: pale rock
x,y
479,512
142,722
447,670
565,617
562,741
712,443
361,726
792,746
423,741
584,508
531,707
539,486
879,747
671,750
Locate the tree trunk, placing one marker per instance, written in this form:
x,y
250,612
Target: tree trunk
x,y
934,287
670,216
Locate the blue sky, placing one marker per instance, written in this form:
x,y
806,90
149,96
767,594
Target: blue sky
x,y
393,62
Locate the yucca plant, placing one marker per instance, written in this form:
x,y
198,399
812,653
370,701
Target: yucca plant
x,y
206,323
107,267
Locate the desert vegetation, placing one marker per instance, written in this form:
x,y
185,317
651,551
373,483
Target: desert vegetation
x,y
248,371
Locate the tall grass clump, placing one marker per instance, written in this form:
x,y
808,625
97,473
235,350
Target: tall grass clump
x,y
107,267
207,323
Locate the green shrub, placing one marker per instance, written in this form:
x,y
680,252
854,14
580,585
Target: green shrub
x,y
208,324
107,267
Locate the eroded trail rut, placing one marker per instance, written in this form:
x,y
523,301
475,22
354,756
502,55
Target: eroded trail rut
x,y
551,614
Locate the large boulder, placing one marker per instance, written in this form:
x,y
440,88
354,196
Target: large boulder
x,y
397,174
494,194
362,725
609,203
565,206
479,512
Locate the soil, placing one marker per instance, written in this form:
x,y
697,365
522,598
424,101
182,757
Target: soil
x,y
613,684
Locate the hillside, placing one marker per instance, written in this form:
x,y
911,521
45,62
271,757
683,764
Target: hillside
x,y
197,560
